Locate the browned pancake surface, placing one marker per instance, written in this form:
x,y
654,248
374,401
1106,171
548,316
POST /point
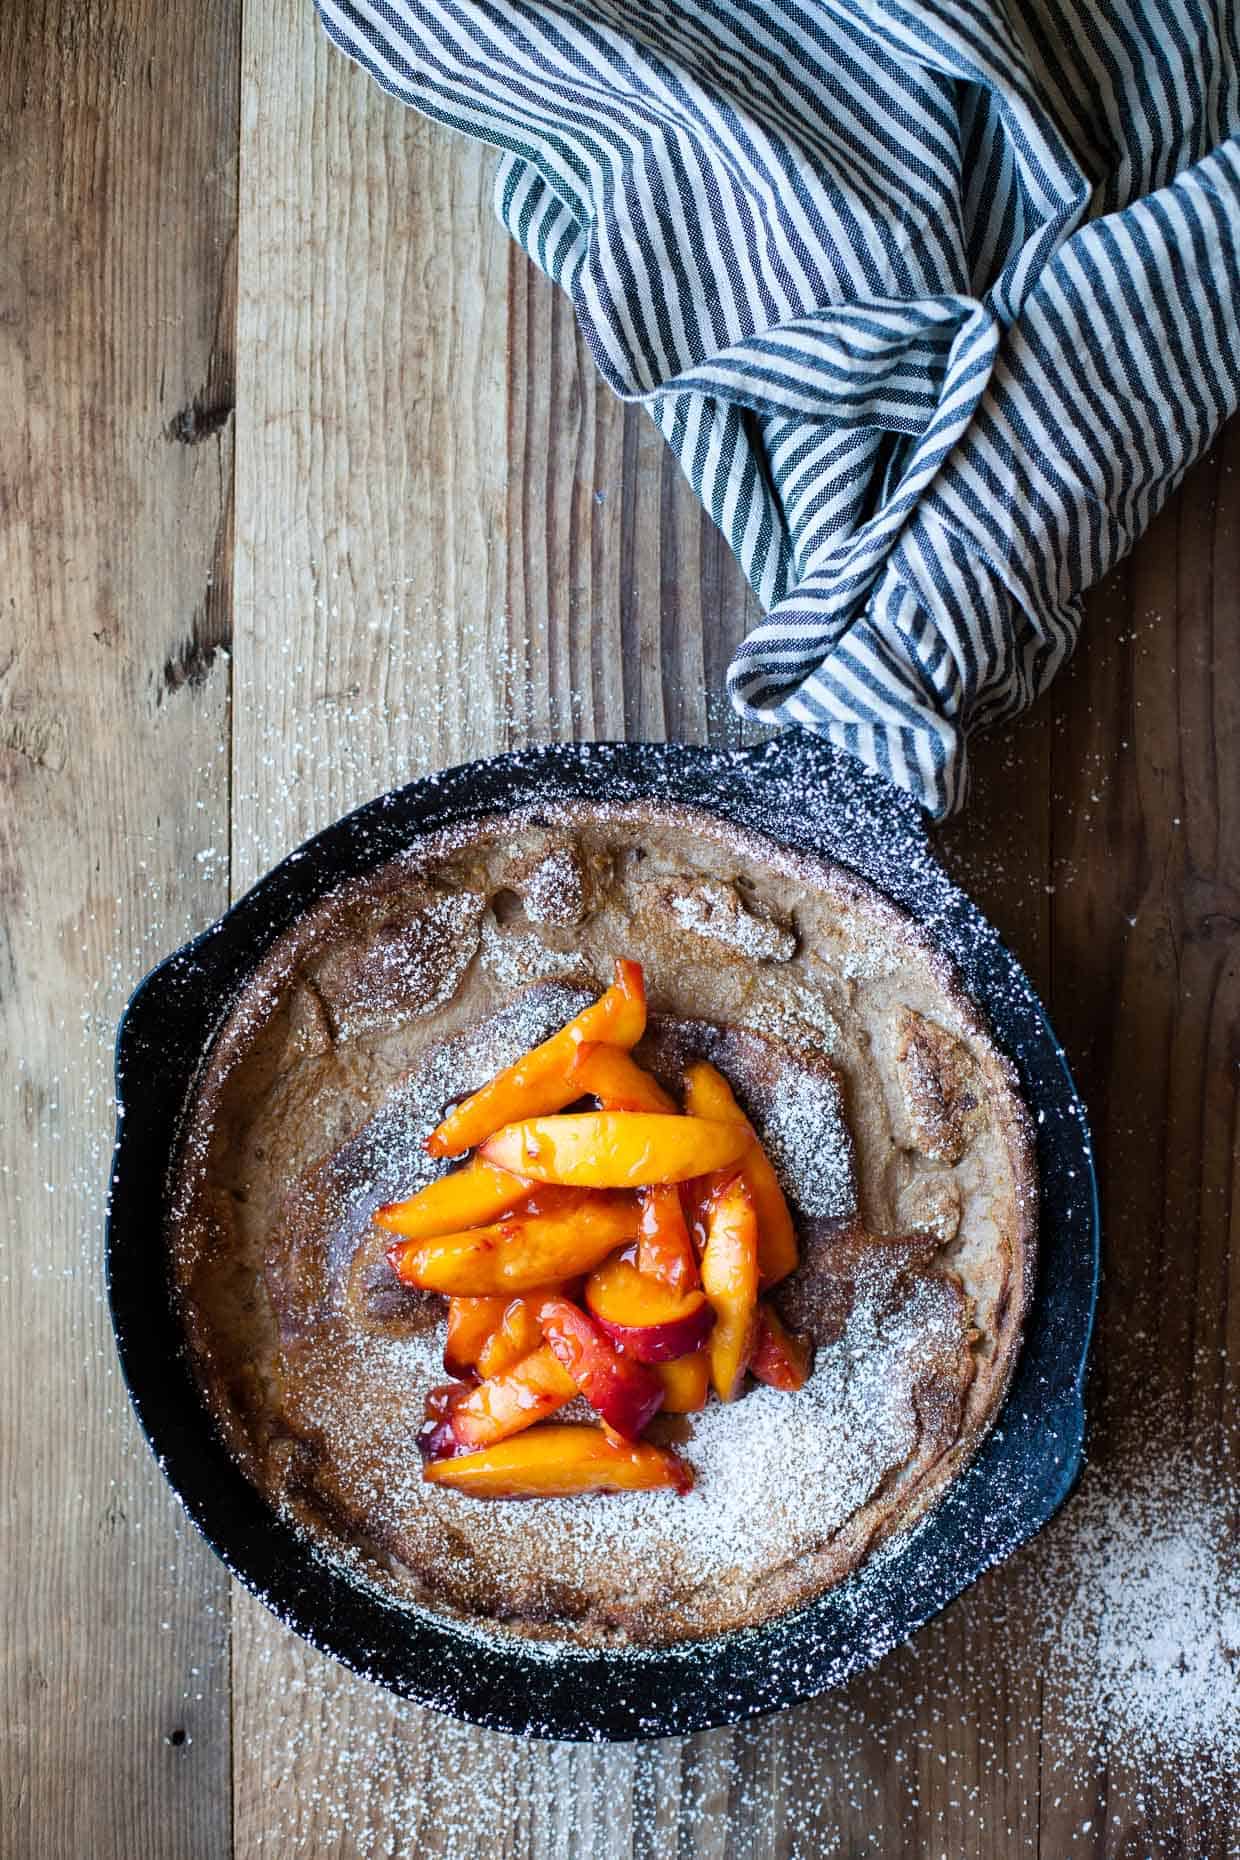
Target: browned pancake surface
x,y
891,1119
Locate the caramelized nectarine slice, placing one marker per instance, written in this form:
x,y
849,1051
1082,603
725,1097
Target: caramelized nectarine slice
x,y
616,1149
540,1081
708,1094
467,1198
625,1393
519,1254
502,1405
519,1330
611,1075
730,1281
649,1321
695,1198
471,1322
561,1461
780,1357
686,1383
664,1249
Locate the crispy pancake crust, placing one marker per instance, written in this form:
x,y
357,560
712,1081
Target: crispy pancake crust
x,y
895,1123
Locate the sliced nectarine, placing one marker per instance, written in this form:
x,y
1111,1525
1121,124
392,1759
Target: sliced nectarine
x,y
561,1461
651,1322
471,1322
502,1405
540,1081
780,1357
730,1281
468,1197
519,1254
686,1383
435,1436
616,1149
695,1195
625,1393
708,1094
519,1330
517,1333
664,1249
614,1077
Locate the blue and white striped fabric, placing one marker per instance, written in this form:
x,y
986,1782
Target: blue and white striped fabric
x,y
934,302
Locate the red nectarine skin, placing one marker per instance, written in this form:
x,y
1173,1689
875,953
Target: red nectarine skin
x,y
521,1253
468,1197
540,1081
623,1392
708,1094
506,1404
780,1357
435,1437
614,1077
616,1149
649,1321
561,1461
664,1249
730,1281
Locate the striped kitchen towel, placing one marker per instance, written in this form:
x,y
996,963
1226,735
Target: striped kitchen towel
x,y
934,302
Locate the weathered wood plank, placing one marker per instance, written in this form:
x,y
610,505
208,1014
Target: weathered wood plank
x,y
371,544
373,643
117,222
1146,959
624,604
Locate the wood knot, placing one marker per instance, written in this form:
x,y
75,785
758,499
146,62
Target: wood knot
x,y
191,664
202,419
39,737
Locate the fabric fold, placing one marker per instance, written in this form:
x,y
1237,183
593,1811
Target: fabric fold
x,y
935,305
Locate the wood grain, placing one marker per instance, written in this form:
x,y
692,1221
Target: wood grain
x,y
623,604
1146,953
117,224
449,539
371,538
373,643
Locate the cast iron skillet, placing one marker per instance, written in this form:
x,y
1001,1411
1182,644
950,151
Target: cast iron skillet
x,y
806,796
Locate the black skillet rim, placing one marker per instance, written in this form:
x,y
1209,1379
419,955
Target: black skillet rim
x,y
1022,1473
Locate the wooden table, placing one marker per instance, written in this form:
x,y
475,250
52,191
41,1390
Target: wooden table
x,y
306,487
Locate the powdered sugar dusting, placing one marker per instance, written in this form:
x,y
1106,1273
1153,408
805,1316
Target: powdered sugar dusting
x,y
795,1014
711,908
388,1158
855,954
807,1140
1138,1607
776,1475
517,957
555,892
410,968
